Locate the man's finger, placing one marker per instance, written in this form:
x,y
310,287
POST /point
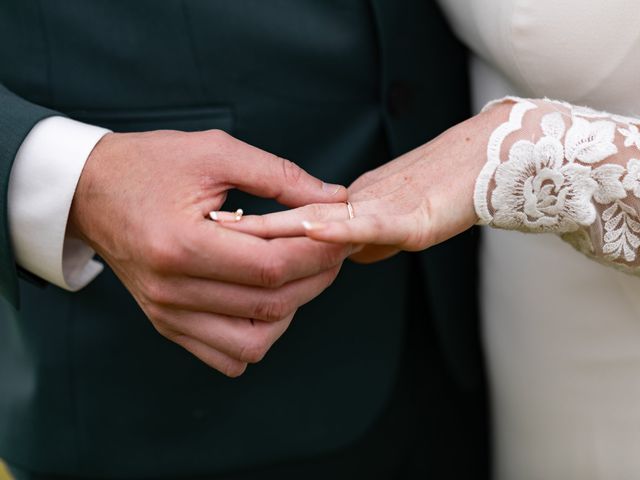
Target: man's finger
x,y
373,253
217,253
240,339
210,296
215,359
263,174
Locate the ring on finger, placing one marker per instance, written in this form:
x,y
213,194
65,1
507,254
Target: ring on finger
x,y
350,210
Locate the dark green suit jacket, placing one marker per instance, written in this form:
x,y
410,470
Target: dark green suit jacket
x,y
87,387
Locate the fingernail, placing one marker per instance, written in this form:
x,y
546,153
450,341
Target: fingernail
x,y
221,216
331,188
313,225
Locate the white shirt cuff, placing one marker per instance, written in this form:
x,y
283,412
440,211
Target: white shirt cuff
x,y
42,183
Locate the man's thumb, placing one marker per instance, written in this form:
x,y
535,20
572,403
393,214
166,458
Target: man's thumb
x,y
267,175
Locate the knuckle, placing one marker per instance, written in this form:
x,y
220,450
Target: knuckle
x,y
163,255
261,224
155,313
418,240
333,255
272,272
332,274
421,235
273,309
254,349
233,369
290,171
218,136
161,324
157,293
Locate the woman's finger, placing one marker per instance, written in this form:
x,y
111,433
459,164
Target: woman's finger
x,y
396,230
282,224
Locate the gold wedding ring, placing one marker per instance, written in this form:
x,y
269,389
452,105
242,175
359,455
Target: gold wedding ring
x,y
350,210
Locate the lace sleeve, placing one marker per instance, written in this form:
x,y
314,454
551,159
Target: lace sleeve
x,y
573,171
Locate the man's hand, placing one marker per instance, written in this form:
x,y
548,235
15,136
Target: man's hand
x,y
142,203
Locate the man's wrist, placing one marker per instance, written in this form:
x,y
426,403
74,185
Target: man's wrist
x,y
77,224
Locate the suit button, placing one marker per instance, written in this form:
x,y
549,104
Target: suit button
x,y
398,98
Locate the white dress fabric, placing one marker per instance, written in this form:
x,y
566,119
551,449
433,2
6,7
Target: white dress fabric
x,y
562,332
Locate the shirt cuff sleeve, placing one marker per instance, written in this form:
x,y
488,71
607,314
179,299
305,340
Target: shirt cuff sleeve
x,y
42,183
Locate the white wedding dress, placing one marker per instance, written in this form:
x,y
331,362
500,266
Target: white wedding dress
x,y
562,332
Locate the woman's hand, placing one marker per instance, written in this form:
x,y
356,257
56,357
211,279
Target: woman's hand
x,y
411,203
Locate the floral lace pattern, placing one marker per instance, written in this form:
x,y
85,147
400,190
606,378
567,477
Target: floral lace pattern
x,y
574,171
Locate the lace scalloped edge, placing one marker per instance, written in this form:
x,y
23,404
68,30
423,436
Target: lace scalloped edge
x,y
514,123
